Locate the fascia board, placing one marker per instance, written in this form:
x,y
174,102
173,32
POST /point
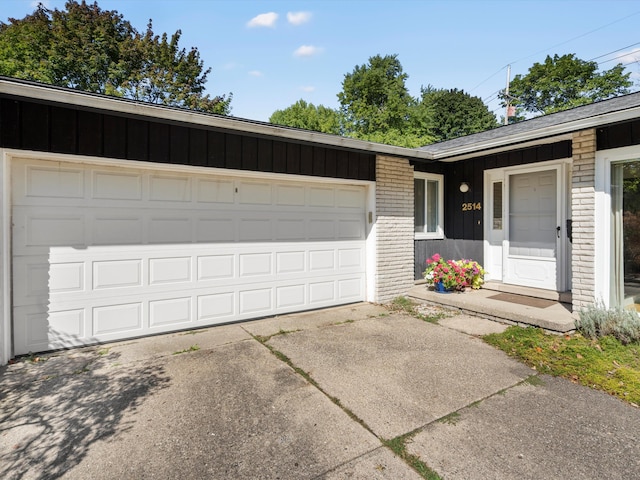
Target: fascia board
x,y
538,136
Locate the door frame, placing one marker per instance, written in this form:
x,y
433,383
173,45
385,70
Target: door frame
x,y
496,245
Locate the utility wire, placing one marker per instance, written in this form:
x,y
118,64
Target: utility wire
x,y
579,36
615,51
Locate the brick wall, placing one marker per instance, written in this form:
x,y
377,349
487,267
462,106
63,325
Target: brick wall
x,y
394,228
583,209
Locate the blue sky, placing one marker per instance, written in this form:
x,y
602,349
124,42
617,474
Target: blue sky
x,y
272,53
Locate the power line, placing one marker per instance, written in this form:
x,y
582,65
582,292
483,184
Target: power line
x,y
579,36
615,51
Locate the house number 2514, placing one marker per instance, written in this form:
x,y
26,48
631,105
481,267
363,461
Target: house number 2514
x,y
468,206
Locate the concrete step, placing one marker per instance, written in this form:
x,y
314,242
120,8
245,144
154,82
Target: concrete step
x,y
553,316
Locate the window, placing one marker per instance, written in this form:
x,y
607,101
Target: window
x,y
428,205
497,205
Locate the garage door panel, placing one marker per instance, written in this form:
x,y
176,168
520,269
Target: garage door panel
x,y
110,229
350,229
215,230
170,312
291,296
45,227
255,193
322,292
170,270
255,230
44,181
117,274
118,186
166,188
350,198
216,307
289,262
36,330
216,267
253,264
256,301
321,197
119,253
117,319
215,191
321,229
290,195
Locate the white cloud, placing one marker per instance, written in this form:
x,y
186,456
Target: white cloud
x,y
263,20
307,51
298,18
308,89
256,73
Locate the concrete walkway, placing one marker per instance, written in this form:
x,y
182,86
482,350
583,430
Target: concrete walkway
x,y
312,395
514,308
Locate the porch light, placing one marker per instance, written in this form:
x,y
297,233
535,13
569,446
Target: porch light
x,y
464,187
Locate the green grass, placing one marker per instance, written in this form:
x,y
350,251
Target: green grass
x,y
398,446
604,364
192,348
406,305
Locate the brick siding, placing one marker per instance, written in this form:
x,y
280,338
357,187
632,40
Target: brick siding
x,y
394,228
582,211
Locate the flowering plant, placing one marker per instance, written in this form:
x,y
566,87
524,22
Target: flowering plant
x,y
474,273
448,272
454,274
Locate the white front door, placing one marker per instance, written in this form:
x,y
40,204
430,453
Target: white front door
x,y
525,234
533,229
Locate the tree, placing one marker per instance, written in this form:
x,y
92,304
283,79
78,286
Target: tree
x,y
306,115
95,50
564,82
455,113
376,104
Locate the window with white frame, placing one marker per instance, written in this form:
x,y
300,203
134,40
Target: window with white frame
x,y
428,198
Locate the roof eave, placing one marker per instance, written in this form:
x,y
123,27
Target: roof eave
x,y
125,106
537,136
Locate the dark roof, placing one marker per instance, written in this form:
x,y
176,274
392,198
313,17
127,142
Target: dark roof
x,y
541,123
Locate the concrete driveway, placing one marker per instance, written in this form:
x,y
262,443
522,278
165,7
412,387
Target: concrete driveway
x,y
312,395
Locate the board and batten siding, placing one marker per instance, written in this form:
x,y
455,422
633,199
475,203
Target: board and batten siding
x,y
38,126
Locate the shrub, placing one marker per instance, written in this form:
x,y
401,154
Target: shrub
x,y
597,321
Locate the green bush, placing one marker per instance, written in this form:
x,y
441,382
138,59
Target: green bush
x,y
597,321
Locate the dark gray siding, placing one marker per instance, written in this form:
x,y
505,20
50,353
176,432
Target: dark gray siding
x,y
31,125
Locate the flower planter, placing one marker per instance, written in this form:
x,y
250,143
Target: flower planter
x,y
440,288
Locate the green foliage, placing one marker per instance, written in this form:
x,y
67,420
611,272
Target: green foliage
x,y
376,105
596,321
306,115
455,113
564,82
374,97
95,50
604,364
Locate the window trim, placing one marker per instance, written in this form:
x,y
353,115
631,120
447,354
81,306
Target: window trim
x,y
439,233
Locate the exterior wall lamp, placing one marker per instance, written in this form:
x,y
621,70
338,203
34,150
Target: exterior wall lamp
x,y
464,187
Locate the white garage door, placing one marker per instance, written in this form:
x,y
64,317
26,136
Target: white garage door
x,y
104,253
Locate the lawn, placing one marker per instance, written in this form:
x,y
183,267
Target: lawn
x,y
604,364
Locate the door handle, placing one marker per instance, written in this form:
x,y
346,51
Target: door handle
x,y
558,231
